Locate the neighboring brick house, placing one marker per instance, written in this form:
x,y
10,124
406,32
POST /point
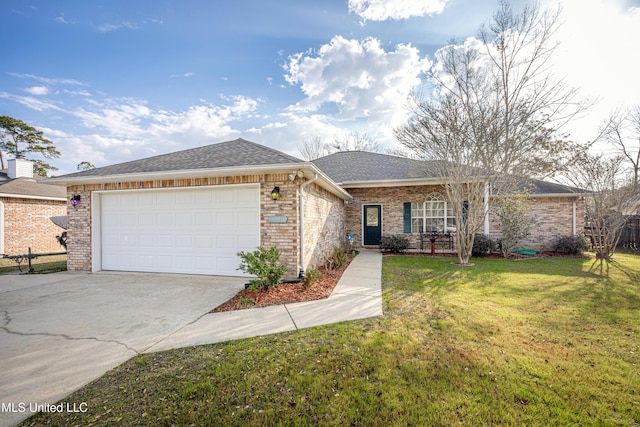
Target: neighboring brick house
x,y
193,210
26,206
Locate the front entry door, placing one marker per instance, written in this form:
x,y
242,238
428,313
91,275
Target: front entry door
x,y
372,224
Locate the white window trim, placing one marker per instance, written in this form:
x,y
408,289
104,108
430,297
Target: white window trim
x,y
424,213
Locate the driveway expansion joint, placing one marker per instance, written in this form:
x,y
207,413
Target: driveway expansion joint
x,y
291,317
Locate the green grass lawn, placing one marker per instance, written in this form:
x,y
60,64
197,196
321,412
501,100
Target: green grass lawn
x,y
533,342
48,264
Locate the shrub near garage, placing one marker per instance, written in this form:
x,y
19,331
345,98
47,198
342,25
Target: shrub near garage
x,y
265,265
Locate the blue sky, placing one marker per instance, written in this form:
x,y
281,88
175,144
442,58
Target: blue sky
x,y
111,81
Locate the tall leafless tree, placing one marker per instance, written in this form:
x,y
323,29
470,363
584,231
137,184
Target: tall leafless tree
x,y
313,148
494,109
622,132
607,197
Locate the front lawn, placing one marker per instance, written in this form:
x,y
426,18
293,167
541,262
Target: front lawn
x,y
532,342
48,264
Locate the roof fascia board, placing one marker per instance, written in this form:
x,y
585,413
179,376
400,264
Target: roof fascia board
x,y
199,173
25,196
558,195
392,183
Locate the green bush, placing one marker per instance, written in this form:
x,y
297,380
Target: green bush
x,y
394,243
483,245
265,265
572,245
311,277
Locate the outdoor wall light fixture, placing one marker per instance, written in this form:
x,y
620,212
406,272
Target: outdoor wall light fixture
x,y
75,200
275,193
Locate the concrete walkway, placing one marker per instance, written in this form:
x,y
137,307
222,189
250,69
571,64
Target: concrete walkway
x,y
358,295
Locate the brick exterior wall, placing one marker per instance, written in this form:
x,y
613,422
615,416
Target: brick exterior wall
x,y
552,218
553,215
392,200
284,236
27,225
324,225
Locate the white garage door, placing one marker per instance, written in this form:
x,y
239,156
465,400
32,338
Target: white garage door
x,y
192,231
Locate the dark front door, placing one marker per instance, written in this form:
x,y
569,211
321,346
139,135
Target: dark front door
x,y
372,224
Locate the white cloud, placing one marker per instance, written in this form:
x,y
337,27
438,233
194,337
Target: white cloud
x,y
37,90
381,10
184,75
116,130
106,28
49,81
37,104
360,77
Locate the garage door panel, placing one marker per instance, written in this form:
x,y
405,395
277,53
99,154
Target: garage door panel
x,y
196,231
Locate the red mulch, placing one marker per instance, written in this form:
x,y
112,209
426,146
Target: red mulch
x,y
285,293
495,255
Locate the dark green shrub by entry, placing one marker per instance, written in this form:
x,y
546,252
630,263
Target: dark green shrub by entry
x,y
265,265
394,243
483,245
572,245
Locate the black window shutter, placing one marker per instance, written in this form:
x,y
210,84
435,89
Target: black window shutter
x,y
407,217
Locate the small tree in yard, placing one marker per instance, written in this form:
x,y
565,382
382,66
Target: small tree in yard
x,y
515,224
265,265
494,109
607,199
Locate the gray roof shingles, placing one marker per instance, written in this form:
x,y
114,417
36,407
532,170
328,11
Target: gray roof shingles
x,y
361,166
234,153
353,167
29,187
342,167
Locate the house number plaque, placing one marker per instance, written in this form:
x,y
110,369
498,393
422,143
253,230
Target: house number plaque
x,y
278,219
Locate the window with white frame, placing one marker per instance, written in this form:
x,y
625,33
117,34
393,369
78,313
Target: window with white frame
x,y
435,214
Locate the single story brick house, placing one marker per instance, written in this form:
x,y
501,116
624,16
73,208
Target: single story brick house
x,y
26,205
193,210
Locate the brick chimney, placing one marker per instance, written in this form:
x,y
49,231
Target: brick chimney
x,y
20,168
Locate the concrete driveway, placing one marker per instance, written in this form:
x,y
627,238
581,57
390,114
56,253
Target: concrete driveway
x,y
60,331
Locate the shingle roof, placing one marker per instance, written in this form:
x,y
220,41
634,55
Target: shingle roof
x,y
358,167
361,166
546,187
28,187
238,152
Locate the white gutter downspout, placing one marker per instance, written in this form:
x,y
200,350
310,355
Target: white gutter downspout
x,y
301,207
486,209
575,226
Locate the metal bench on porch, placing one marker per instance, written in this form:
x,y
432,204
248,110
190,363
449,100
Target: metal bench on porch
x,y
431,240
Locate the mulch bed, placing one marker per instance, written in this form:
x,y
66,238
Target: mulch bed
x,y
285,293
495,255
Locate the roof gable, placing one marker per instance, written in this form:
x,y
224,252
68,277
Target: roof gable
x,y
236,153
